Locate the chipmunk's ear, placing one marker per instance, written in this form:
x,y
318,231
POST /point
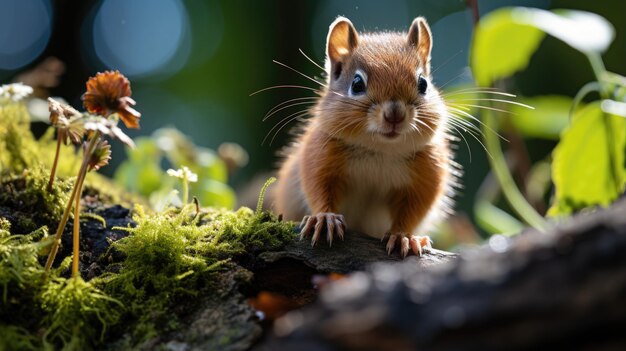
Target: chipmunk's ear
x,y
421,38
341,42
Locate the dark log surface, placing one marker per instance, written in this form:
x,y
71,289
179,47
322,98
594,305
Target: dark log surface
x,y
562,289
354,253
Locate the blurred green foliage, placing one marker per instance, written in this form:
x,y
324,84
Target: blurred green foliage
x,y
144,170
588,162
548,118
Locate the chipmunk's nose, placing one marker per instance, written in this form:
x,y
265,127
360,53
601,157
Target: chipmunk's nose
x,y
394,113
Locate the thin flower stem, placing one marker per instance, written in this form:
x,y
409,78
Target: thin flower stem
x,y
66,214
76,229
185,190
501,170
59,232
597,65
54,165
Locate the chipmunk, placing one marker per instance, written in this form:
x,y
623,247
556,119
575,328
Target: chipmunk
x,y
375,155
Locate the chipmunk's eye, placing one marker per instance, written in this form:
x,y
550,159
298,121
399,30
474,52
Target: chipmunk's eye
x,y
358,85
422,84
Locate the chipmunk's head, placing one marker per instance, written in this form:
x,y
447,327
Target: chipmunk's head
x,y
379,86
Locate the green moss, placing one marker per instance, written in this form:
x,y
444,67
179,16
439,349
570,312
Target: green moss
x,y
30,202
77,313
170,258
20,272
21,278
5,226
173,255
47,313
18,147
17,338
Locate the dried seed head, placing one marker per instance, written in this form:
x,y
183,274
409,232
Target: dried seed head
x,y
67,120
100,156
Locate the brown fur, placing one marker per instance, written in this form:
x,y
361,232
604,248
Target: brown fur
x,y
343,158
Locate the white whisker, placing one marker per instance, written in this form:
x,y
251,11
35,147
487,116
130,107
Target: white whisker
x,y
313,62
286,86
300,73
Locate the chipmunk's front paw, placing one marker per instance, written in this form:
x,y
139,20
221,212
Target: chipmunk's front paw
x,y
418,244
334,223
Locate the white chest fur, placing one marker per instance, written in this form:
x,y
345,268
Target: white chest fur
x,y
371,179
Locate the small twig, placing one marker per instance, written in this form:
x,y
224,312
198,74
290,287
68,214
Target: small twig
x,y
76,229
473,6
197,203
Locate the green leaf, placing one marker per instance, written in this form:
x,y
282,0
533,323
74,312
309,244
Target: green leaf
x,y
547,120
588,167
505,39
502,45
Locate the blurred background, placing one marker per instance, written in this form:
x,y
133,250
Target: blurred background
x,y
193,64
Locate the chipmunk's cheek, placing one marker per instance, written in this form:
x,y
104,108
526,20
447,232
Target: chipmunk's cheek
x,y
373,124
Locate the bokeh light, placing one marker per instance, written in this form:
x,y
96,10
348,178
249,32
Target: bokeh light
x,y
141,37
25,28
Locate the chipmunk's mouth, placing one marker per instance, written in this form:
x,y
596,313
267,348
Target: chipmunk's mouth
x,y
392,133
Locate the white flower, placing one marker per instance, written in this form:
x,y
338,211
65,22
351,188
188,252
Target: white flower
x,y
14,92
184,173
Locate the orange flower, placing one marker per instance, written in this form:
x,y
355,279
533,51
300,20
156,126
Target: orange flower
x,y
109,92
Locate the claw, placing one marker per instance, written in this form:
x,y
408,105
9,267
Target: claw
x,y
339,225
304,220
342,220
310,222
404,246
419,244
416,247
318,230
429,243
391,243
408,243
314,226
385,237
330,229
